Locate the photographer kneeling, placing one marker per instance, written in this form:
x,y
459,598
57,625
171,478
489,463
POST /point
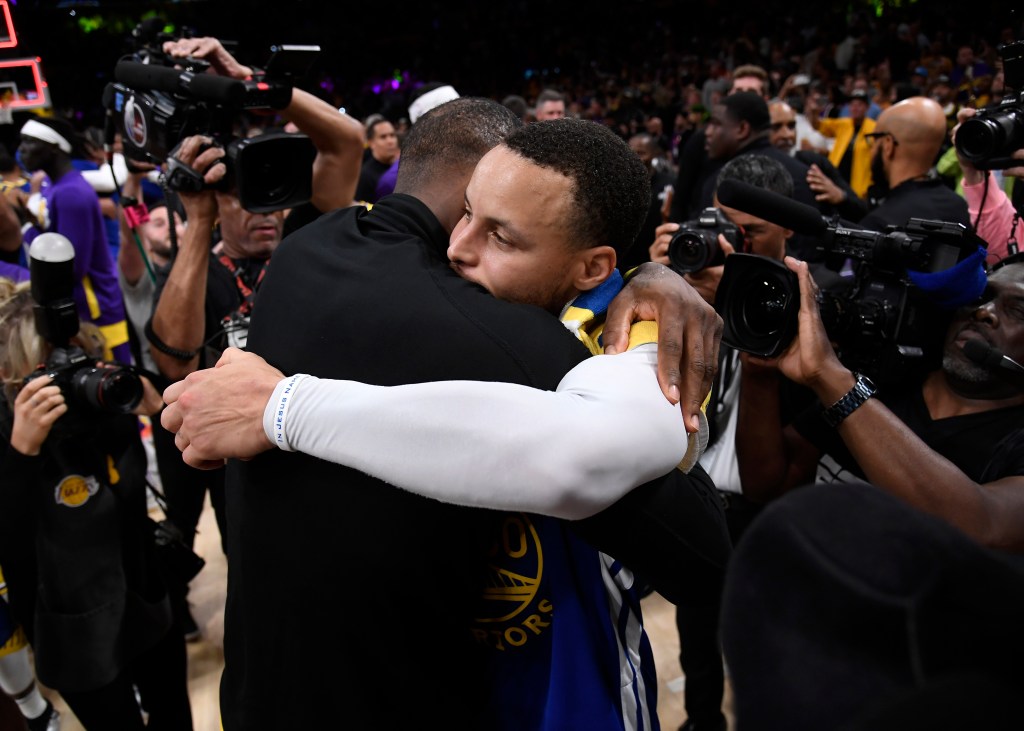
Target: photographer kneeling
x,y
950,445
894,604
76,544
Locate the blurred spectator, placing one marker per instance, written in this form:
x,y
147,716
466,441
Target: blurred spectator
x,y
550,105
518,106
382,151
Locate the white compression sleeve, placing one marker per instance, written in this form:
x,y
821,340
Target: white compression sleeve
x,y
567,453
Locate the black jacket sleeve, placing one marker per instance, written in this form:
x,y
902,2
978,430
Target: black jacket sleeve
x,y
670,532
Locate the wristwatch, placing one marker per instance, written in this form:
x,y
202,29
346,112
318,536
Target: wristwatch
x,y
862,390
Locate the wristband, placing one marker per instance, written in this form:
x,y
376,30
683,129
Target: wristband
x,y
284,393
164,347
862,390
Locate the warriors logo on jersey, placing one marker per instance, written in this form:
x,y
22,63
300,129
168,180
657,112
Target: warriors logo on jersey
x,y
512,610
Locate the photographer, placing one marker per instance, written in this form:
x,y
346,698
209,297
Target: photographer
x,y
75,542
203,301
950,445
199,283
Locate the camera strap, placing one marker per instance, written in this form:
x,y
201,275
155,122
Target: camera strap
x,y
246,292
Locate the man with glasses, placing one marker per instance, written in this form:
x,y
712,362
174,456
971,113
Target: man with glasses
x,y
904,146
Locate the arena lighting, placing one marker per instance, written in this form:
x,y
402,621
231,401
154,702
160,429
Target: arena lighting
x,y
10,39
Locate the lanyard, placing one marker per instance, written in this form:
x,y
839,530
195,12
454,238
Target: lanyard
x,y
244,290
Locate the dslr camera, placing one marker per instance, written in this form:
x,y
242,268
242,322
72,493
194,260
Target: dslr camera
x,y
884,324
695,245
87,387
156,102
989,138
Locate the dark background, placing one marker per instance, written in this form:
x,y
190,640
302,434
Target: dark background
x,y
483,48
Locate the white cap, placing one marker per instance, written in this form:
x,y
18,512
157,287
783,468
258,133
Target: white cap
x,y
433,98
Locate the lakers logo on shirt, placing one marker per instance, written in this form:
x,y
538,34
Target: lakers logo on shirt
x,y
74,491
511,608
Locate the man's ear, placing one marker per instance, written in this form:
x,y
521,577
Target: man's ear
x,y
595,266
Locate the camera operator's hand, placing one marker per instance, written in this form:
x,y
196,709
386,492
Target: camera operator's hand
x,y
217,413
706,280
38,405
662,236
151,402
211,50
810,359
689,333
200,206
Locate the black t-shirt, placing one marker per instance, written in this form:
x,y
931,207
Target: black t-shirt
x,y
985,446
223,297
929,199
369,176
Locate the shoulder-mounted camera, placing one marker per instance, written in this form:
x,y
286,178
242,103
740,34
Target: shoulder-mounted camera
x,y
156,102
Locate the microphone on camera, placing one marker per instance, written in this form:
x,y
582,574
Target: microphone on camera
x,y
175,81
984,354
778,209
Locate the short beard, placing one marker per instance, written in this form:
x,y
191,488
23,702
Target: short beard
x,y
879,180
963,370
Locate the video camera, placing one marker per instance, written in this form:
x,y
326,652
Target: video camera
x,y
695,245
989,138
157,101
883,324
87,387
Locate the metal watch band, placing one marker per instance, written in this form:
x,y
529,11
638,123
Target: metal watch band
x,y
862,390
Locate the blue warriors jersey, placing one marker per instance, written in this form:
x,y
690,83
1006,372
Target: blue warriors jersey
x,y
561,620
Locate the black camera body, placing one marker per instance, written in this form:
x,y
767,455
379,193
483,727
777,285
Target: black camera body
x,y
989,138
882,324
695,245
108,388
156,102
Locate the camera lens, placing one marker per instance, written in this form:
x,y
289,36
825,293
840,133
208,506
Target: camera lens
x,y
758,300
691,251
995,134
764,307
111,390
273,170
